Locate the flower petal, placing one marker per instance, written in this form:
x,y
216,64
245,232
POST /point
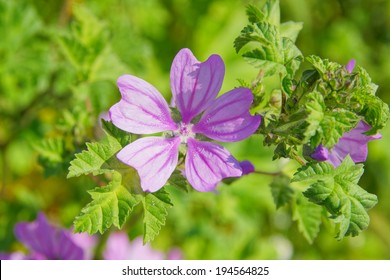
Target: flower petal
x,y
117,247
194,84
350,65
139,251
228,118
142,108
353,143
155,158
46,240
207,164
321,153
247,167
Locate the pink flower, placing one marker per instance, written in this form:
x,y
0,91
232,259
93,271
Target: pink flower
x,y
353,143
46,241
350,65
118,247
247,167
195,86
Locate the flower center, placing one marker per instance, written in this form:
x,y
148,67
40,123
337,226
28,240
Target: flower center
x,y
184,132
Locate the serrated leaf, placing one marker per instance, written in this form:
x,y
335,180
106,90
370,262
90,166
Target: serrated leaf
x,y
308,217
254,14
124,138
337,190
52,155
111,205
178,180
281,190
334,124
95,159
51,149
155,211
271,10
262,44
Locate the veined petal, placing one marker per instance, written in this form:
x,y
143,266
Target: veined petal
x,y
228,118
353,143
155,158
194,84
142,109
207,164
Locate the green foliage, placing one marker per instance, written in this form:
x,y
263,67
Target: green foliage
x,y
308,217
51,155
111,205
178,180
59,63
155,212
281,190
87,49
265,45
96,159
338,191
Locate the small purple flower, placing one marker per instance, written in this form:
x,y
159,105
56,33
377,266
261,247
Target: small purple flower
x,y
195,86
247,167
118,247
353,143
350,65
46,241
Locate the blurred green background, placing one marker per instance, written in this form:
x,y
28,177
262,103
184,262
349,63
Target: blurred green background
x,y
59,61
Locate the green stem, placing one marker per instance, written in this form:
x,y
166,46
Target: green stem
x,y
299,159
268,173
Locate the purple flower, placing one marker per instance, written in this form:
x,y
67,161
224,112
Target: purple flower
x,y
247,167
350,65
118,247
195,86
353,143
46,241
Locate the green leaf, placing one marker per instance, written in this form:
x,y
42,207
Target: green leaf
x,y
308,217
52,156
254,14
111,205
334,125
96,159
271,10
51,149
262,44
155,211
281,190
291,29
338,191
178,180
124,138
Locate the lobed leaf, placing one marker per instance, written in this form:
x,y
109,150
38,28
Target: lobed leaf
x,y
281,190
338,191
111,205
308,217
95,160
155,211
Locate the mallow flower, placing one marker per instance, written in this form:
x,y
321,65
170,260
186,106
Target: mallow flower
x,y
353,143
118,247
195,86
48,242
350,65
